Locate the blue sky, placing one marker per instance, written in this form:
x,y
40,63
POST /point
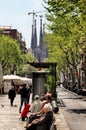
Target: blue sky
x,y
14,13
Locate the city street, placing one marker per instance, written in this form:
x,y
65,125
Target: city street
x,y
73,108
71,115
43,51
9,116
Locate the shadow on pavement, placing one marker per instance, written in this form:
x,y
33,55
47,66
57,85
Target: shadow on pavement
x,y
78,111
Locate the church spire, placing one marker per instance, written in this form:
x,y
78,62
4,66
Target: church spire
x,y
34,36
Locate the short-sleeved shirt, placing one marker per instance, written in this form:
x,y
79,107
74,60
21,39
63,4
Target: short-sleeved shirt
x,y
36,106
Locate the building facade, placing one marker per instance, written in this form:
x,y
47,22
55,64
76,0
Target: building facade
x,y
13,33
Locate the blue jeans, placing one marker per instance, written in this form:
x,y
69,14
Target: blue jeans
x,y
23,101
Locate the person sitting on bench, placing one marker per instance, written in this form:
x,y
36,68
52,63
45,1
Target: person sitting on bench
x,y
44,122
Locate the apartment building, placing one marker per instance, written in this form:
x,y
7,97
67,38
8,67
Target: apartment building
x,y
13,33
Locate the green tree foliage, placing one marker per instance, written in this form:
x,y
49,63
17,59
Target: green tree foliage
x,y
12,59
9,53
25,69
67,25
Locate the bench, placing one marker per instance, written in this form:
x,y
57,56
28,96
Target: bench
x,y
53,126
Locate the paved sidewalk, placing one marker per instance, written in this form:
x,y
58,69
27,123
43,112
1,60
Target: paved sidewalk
x,y
9,116
60,121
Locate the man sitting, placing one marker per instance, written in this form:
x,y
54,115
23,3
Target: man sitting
x,y
44,122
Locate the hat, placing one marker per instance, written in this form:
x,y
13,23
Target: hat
x,y
36,97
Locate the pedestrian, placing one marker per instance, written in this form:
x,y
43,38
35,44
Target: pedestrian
x,y
23,97
11,95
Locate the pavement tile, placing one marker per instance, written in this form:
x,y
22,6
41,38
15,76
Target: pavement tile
x,y
60,121
9,116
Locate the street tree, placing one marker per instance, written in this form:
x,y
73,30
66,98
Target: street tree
x,y
10,53
55,55
67,23
24,68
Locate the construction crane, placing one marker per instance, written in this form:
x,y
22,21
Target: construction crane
x,y
34,14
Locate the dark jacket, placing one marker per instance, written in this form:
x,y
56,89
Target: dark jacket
x,y
23,92
44,123
11,93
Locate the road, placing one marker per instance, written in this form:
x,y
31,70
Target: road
x,y
73,109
